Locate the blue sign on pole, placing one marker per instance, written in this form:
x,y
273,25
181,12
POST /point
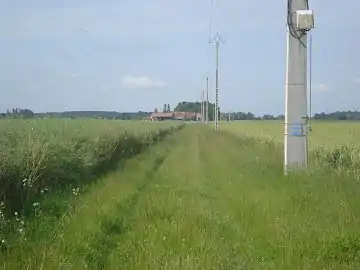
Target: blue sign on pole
x,y
296,129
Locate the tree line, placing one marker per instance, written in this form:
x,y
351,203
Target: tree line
x,y
18,113
184,106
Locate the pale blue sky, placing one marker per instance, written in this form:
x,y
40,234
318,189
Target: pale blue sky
x,y
130,55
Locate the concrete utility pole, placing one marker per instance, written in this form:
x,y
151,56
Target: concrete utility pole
x,y
217,39
203,106
207,100
201,102
300,20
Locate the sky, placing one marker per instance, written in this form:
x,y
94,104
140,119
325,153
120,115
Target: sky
x,y
130,55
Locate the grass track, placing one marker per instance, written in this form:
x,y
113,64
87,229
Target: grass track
x,y
205,200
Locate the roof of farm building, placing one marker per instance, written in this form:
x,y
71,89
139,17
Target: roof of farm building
x,y
185,115
162,114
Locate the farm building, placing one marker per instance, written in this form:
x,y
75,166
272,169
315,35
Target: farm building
x,y
184,116
158,116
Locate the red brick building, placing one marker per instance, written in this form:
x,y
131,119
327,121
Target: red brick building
x,y
184,116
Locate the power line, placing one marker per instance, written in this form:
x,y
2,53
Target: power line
x,y
213,7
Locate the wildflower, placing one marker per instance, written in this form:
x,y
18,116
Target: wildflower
x,y
75,191
35,204
26,182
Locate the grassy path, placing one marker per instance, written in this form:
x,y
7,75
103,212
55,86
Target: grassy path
x,y
204,200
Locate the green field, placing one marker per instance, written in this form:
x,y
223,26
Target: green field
x,y
325,133
192,198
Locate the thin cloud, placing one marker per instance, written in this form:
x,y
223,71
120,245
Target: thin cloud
x,y
130,82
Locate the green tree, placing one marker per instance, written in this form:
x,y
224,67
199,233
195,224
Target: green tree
x,y
186,106
26,113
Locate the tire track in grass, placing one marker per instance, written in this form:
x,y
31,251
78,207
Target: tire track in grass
x,y
146,212
239,206
113,227
126,215
188,218
176,224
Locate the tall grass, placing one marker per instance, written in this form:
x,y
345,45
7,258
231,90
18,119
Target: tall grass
x,y
38,156
332,144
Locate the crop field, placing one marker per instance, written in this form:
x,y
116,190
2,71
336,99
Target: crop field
x,y
331,143
97,194
325,133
